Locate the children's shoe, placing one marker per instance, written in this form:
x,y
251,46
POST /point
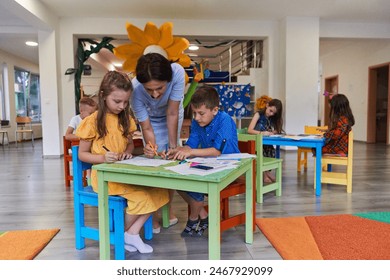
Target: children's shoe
x,y
190,229
202,226
157,230
173,221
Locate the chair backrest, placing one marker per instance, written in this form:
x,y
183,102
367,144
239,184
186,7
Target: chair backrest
x,y
78,168
243,135
67,145
315,129
23,122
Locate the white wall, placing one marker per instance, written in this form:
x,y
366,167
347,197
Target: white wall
x,y
350,60
301,72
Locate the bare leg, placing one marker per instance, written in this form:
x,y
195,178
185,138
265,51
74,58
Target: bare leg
x,y
133,225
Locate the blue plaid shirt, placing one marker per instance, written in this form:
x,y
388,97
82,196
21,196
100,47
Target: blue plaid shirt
x,y
220,133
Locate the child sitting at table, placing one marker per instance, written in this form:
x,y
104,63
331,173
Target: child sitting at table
x,y
212,133
268,121
86,107
105,136
341,122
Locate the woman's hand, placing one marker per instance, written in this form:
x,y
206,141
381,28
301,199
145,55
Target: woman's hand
x,y
149,151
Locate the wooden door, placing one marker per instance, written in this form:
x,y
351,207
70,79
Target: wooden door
x,y
331,86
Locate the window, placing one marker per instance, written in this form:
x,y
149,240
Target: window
x,y
27,95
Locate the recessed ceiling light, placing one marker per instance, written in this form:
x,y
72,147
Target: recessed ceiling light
x,y
118,64
31,43
193,48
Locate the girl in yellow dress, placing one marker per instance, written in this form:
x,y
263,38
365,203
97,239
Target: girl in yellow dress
x,y
110,128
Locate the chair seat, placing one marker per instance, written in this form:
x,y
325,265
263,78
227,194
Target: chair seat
x,y
334,160
271,161
89,192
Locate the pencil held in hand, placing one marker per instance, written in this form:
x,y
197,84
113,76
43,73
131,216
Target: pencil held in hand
x,y
154,148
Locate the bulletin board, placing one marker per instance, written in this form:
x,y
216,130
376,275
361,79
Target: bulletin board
x,y
235,99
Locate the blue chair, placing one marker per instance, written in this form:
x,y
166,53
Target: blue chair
x,y
117,205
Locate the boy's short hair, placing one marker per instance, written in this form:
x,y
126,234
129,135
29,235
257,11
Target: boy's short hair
x,y
205,95
87,101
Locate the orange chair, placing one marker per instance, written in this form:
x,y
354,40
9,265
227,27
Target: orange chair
x,y
68,160
308,130
236,188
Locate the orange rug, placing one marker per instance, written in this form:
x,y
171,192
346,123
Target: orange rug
x,y
332,237
24,244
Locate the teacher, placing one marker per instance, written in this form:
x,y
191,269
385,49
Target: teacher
x,y
157,103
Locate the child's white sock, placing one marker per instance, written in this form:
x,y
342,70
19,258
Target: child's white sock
x,y
130,248
136,241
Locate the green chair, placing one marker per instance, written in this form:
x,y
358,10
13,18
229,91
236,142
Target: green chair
x,y
263,164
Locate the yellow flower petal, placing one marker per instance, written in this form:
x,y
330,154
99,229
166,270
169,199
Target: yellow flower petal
x,y
166,38
179,45
136,35
152,33
129,65
124,51
184,60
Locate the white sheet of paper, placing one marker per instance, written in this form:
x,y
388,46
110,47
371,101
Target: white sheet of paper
x,y
143,161
184,169
236,156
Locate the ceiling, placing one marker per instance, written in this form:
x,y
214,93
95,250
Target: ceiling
x,y
17,26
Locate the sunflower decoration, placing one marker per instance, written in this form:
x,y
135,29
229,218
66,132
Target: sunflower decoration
x,y
152,39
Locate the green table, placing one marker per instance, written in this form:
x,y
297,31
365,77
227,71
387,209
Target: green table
x,y
160,177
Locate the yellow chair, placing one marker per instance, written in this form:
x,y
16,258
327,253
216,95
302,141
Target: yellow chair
x,y
339,178
23,125
263,164
308,130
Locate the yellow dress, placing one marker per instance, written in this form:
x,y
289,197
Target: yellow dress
x,y
140,200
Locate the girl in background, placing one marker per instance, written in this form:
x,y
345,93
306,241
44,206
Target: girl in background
x,y
341,122
110,128
268,121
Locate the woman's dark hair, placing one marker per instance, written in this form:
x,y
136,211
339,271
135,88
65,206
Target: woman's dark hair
x,y
339,106
153,66
205,95
276,119
111,81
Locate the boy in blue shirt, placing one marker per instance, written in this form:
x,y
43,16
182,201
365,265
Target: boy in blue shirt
x,y
212,133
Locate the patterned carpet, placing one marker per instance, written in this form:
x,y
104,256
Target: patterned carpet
x,y
24,244
362,236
